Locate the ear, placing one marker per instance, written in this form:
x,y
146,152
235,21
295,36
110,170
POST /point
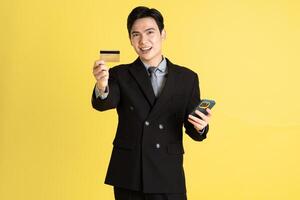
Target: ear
x,y
163,34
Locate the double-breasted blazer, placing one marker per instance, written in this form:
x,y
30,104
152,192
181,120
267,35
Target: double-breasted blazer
x,y
147,150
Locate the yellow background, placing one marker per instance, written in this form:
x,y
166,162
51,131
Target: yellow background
x,y
54,146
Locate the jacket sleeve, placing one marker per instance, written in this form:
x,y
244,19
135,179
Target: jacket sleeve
x,y
113,98
193,102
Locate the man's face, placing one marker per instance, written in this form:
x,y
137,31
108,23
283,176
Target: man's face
x,y
146,40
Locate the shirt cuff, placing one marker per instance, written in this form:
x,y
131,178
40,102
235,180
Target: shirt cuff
x,y
99,93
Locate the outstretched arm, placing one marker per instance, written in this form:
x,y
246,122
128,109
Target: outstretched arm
x,y
106,93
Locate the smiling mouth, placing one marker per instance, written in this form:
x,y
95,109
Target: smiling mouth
x,y
145,49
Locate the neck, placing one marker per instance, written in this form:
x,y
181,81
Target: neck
x,y
154,62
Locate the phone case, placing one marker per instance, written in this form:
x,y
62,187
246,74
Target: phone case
x,y
205,103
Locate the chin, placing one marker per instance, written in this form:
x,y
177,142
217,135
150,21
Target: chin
x,y
146,58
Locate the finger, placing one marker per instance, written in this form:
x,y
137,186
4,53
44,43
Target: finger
x,y
99,65
193,122
100,69
102,74
192,118
209,112
196,125
99,62
200,114
101,77
197,120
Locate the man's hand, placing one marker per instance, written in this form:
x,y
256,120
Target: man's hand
x,y
200,122
101,74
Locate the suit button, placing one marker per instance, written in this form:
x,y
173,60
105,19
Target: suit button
x,y
131,108
147,123
160,126
157,145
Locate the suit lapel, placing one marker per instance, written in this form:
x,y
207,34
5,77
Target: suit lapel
x,y
167,92
139,73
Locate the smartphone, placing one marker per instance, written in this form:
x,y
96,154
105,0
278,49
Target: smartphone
x,y
205,103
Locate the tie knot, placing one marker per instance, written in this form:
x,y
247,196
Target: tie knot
x,y
152,70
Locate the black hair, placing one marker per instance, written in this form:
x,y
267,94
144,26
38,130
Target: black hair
x,y
141,12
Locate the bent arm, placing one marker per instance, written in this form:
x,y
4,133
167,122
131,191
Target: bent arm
x,y
193,102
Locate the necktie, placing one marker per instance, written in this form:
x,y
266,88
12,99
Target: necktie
x,y
153,79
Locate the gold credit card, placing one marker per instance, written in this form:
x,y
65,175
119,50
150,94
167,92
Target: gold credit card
x,y
110,55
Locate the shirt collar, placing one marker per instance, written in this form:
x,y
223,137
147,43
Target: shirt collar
x,y
162,66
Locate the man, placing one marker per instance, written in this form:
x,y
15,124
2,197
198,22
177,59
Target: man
x,y
153,98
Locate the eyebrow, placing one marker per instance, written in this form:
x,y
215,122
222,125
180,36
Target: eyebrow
x,y
148,29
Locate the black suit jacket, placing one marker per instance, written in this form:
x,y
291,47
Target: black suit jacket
x,y
148,151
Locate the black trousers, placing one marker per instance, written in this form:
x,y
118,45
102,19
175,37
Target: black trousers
x,y
124,194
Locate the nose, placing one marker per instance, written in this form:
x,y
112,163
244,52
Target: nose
x,y
143,39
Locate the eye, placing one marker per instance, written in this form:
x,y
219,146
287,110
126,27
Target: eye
x,y
134,35
150,32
